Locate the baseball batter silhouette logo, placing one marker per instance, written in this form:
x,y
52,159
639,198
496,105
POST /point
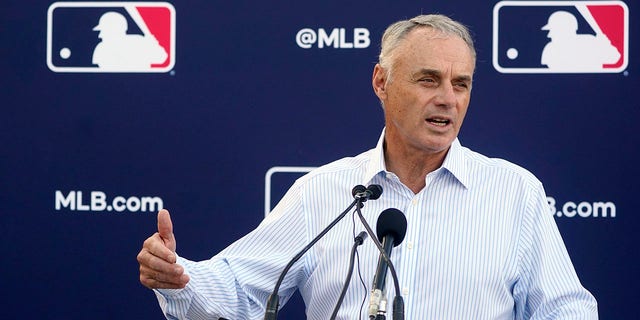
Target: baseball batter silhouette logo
x,y
560,36
111,37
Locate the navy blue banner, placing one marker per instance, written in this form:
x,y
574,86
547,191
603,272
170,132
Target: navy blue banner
x,y
223,104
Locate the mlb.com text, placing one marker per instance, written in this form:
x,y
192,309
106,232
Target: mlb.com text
x,y
582,209
98,201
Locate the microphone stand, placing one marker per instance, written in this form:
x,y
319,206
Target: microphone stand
x,y
358,241
398,301
271,312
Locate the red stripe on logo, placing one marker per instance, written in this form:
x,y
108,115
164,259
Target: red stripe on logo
x,y
158,20
610,19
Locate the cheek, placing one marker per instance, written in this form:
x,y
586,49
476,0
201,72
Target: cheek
x,y
405,105
408,101
395,104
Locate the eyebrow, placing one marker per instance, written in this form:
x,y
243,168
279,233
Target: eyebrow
x,y
438,74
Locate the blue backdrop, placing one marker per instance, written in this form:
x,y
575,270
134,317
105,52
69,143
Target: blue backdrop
x,y
89,155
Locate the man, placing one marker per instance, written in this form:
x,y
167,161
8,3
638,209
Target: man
x,y
480,242
119,51
569,51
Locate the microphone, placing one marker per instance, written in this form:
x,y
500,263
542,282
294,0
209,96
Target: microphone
x,y
271,309
359,239
391,229
372,192
358,190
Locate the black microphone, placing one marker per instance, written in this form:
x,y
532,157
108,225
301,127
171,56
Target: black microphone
x,y
372,192
358,190
271,309
391,229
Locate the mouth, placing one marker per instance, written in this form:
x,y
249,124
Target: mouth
x,y
439,122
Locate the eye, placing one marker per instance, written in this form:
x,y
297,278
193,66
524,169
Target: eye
x,y
428,81
461,85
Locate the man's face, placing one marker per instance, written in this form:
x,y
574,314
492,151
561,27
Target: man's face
x,y
426,98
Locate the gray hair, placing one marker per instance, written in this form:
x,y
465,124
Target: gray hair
x,y
396,32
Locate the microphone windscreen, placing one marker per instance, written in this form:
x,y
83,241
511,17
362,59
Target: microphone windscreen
x,y
376,191
358,189
392,222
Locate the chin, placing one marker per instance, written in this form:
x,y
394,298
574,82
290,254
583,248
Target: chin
x,y
439,144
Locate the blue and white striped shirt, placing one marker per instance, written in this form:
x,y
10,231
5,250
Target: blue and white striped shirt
x,y
480,244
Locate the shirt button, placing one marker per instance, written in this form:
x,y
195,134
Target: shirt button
x,y
414,201
410,245
405,291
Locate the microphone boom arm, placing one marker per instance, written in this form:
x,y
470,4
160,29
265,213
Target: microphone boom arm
x,y
271,312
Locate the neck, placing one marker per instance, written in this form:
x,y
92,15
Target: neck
x,y
412,166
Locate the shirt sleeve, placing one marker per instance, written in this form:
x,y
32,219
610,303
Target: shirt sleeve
x,y
236,283
549,287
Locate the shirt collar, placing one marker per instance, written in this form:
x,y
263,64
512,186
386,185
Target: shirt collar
x,y
454,162
376,161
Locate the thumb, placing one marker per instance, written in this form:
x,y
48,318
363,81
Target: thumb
x,y
165,229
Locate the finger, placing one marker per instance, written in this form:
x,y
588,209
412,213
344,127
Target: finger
x,y
158,264
157,247
152,283
165,229
175,276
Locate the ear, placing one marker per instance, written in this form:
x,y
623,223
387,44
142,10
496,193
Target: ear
x,y
379,82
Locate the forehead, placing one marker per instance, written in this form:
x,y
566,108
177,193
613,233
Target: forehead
x,y
432,49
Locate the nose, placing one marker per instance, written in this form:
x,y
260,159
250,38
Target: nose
x,y
445,96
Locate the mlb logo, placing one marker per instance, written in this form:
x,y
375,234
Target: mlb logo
x,y
111,37
560,36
